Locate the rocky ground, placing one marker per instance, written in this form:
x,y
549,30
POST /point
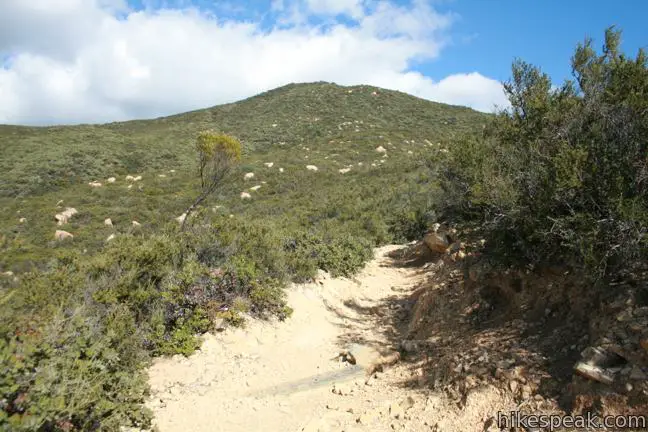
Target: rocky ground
x,y
290,376
418,341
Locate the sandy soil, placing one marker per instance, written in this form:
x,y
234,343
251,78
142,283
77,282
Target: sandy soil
x,y
283,376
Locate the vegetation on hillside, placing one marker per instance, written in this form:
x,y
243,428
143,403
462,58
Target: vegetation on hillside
x,y
84,316
562,177
339,126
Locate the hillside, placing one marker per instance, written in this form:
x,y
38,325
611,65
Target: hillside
x,y
319,123
336,172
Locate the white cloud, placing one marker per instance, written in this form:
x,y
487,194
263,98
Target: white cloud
x,y
74,61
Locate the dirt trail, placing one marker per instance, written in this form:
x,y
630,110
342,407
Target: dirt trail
x,y
282,377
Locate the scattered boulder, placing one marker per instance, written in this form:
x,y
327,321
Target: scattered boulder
x,y
22,220
381,149
248,176
138,178
130,178
281,170
111,180
95,184
255,188
136,224
65,216
162,175
172,171
344,170
437,239
108,222
110,237
311,167
269,164
181,218
62,235
245,195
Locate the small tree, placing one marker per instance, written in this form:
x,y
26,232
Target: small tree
x,y
217,155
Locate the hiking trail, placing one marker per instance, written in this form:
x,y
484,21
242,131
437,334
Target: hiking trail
x,y
288,376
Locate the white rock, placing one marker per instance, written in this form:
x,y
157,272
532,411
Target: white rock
x,y
255,188
65,216
381,149
62,235
108,222
95,184
248,176
111,180
245,195
136,224
269,164
311,167
110,237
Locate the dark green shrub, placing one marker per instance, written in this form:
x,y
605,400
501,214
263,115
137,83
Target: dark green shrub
x,y
561,176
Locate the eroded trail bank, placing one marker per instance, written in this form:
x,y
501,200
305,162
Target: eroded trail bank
x,y
285,376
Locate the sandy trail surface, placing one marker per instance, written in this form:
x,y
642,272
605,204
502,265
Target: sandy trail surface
x,y
284,376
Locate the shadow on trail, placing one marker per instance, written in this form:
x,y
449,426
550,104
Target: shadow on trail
x,y
455,340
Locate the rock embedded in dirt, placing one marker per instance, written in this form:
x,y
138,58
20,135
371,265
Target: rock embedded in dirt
x,y
409,346
408,403
436,242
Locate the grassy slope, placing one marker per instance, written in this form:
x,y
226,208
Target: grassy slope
x,y
338,125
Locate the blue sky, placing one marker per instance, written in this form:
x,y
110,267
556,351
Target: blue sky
x,y
544,33
70,61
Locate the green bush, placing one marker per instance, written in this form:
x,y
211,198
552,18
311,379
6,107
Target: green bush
x,y
561,176
80,371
